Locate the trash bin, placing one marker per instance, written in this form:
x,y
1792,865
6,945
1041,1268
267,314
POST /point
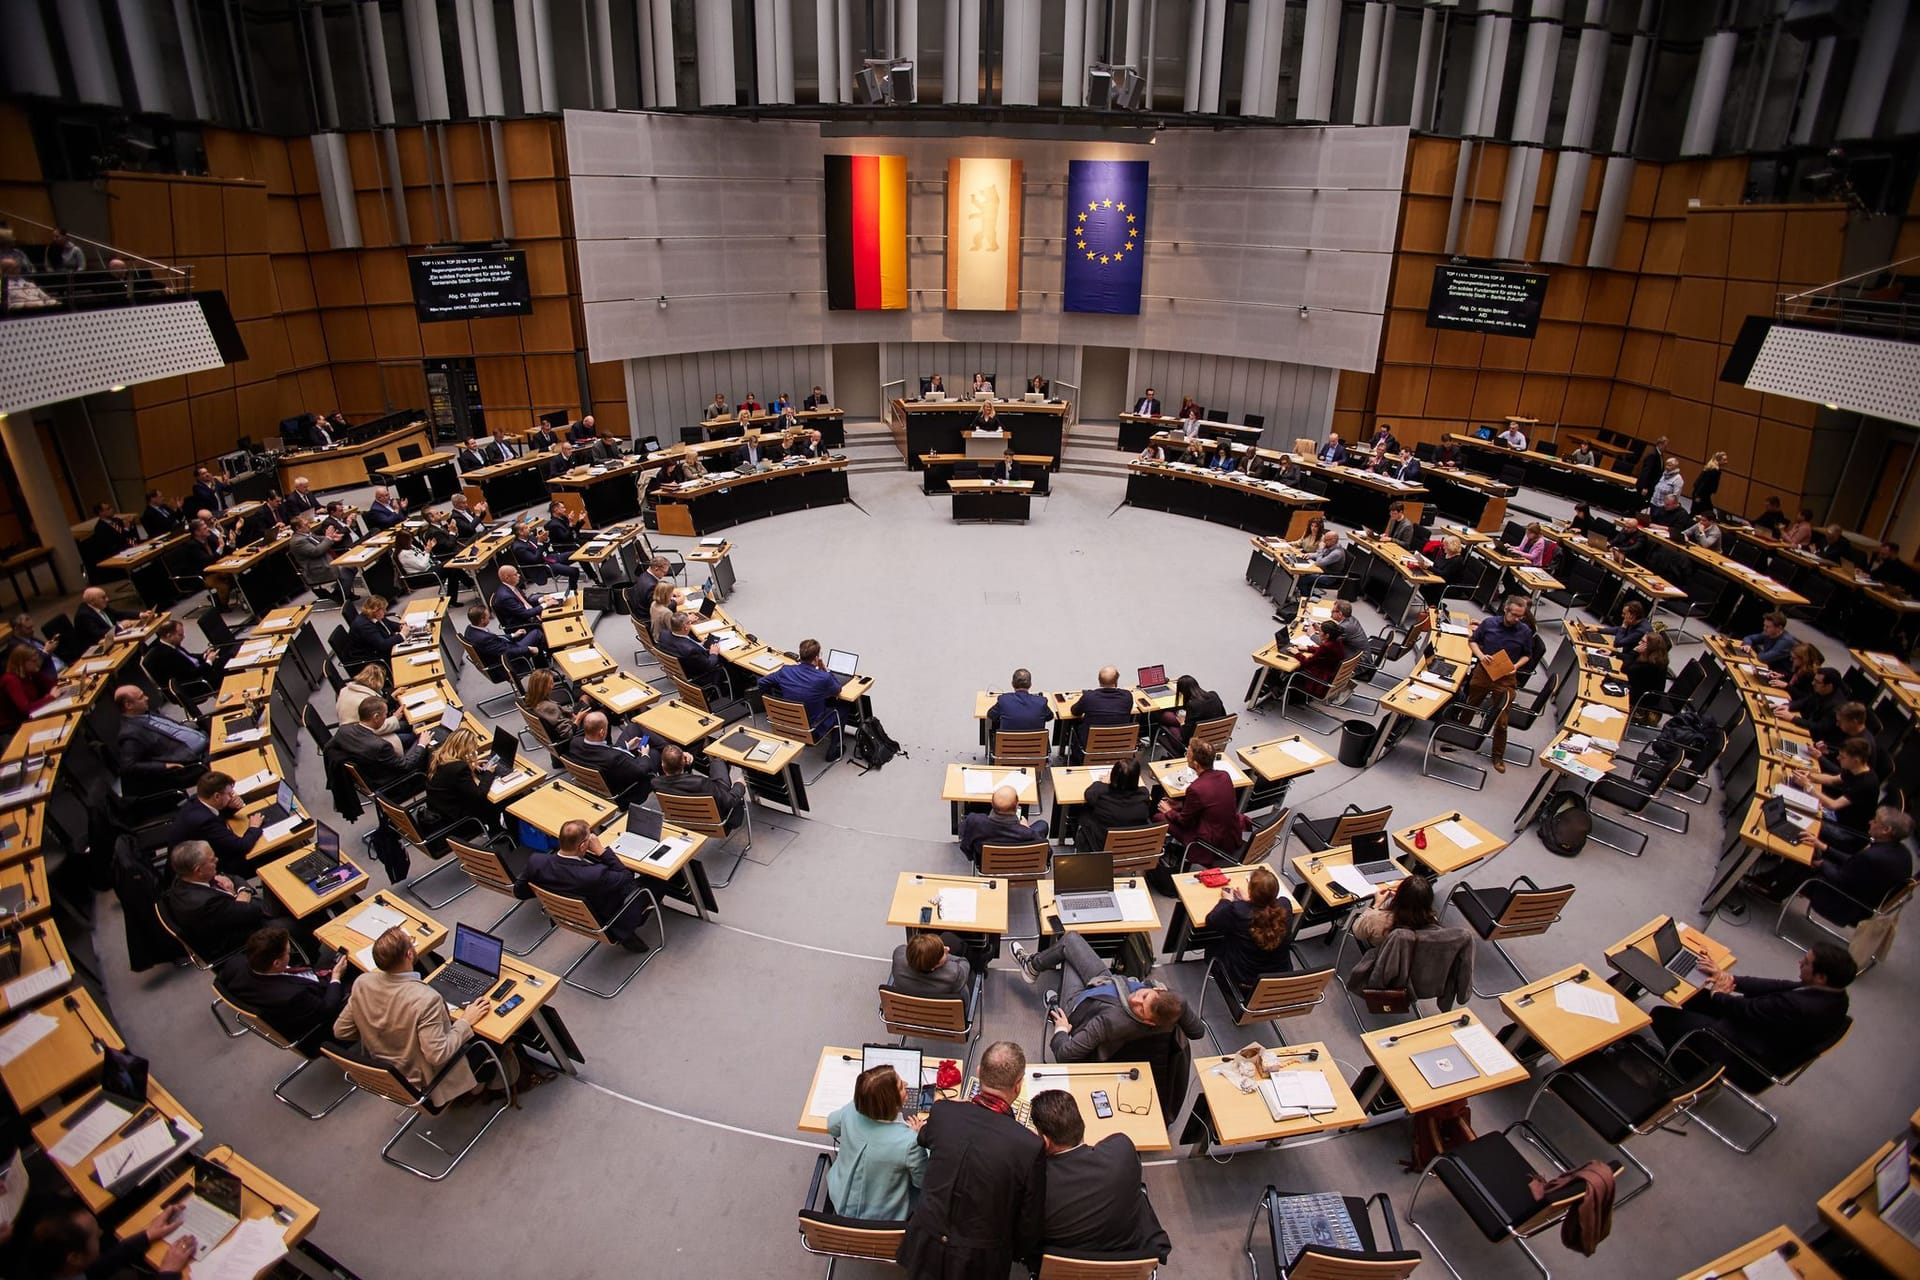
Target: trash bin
x,y
1356,741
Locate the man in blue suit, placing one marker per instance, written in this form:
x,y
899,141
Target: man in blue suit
x,y
584,868
385,512
518,615
1409,469
495,648
204,817
809,683
1019,710
1333,452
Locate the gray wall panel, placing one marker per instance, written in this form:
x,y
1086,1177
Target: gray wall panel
x,y
672,391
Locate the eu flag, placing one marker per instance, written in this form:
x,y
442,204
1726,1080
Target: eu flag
x,y
1106,235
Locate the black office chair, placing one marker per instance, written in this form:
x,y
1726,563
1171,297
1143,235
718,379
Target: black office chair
x,y
374,462
408,452
1254,420
1493,1181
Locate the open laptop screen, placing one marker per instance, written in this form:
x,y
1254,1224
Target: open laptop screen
x,y
505,745
1151,676
842,663
1082,872
476,950
906,1063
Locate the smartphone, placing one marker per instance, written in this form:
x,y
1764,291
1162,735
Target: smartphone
x,y
926,915
1101,1107
509,1006
501,990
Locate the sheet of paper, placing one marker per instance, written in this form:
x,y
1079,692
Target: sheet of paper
x,y
21,795
422,659
276,830
1135,904
101,1123
1297,1093
246,735
1301,751
1770,1266
979,782
626,698
957,906
428,710
1461,837
251,1248
506,783
147,1143
414,697
364,958
44,736
23,1033
374,919
36,984
1579,998
1420,692
1344,875
1433,678
834,1088
1487,1053
254,781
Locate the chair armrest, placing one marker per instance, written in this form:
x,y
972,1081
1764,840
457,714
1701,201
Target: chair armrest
x,y
1518,881
475,1041
818,1181
1726,1044
1386,1217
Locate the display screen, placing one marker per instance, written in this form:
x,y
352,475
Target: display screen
x,y
469,286
1483,300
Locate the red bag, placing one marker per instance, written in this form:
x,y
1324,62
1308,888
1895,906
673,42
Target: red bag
x,y
1212,877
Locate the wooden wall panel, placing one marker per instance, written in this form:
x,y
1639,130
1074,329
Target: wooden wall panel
x,y
479,212
553,382
536,209
1552,348
1586,402
336,280
166,437
503,382
1450,393
1735,434
549,328
348,335
395,331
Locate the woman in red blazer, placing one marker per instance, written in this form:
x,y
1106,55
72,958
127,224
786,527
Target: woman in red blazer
x,y
1321,663
24,688
1209,810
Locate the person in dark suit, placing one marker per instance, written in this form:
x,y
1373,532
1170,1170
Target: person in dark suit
x,y
1408,468
1774,1021
160,517
1251,928
1098,1013
95,619
210,492
147,737
628,773
209,912
337,524
1148,405
807,446
678,777
1849,882
467,520
983,1196
362,745
535,558
1197,706
563,529
1106,704
1114,803
459,782
262,523
494,648
1019,710
701,662
818,400
1628,539
1094,1201
1000,825
109,536
301,501
583,429
926,967
754,452
299,1004
640,594
1653,462
543,438
470,456
1333,452
518,615
170,662
809,683
1039,386
371,637
584,868
1005,469
386,511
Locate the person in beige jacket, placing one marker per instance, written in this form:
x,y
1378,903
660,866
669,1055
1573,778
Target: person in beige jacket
x,y
402,1022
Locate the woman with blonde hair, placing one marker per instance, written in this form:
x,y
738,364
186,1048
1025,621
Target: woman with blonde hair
x,y
457,782
1707,483
371,682
667,599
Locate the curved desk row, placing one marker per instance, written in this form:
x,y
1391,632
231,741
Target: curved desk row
x,y
1258,506
938,470
830,422
345,465
691,510
920,427
1595,486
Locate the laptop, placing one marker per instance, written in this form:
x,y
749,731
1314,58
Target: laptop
x,y
1153,681
842,663
908,1064
212,1209
1782,822
474,969
506,748
1645,970
1371,859
1034,397
642,840
1674,956
1893,1186
323,861
283,815
1083,888
707,605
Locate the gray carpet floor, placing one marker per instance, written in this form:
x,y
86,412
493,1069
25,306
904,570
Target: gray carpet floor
x,y
675,1152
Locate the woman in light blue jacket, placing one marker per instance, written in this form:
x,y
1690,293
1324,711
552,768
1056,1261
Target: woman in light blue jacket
x,y
881,1163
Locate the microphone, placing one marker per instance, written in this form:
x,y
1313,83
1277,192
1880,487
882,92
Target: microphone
x,y
1133,1073
1309,1055
1463,1020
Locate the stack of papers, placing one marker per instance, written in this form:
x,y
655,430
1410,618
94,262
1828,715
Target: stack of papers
x,y
246,735
1134,903
626,698
23,1033
958,906
979,782
1487,1053
1292,1094
1347,877
254,781
833,1088
285,827
101,1123
1578,998
36,984
249,1249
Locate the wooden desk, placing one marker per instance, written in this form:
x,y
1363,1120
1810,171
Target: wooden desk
x,y
29,876
424,480
1265,507
1852,1210
538,986
32,821
66,1056
1282,758
1801,1260
1166,776
777,778
338,933
1691,938
1565,1035
678,723
705,506
1442,856
42,951
921,427
619,693
1240,1119
1070,783
509,486
79,1175
1196,902
261,1196
915,890
1392,1051
424,667
1043,901
549,807
297,896
816,1121
1312,868
959,799
42,737
344,466
1143,1120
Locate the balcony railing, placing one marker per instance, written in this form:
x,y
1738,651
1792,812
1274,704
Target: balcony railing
x,y
1882,303
112,277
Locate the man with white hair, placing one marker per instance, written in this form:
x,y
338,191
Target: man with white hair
x,y
385,511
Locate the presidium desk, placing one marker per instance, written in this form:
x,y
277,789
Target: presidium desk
x,y
345,465
726,499
1265,507
921,427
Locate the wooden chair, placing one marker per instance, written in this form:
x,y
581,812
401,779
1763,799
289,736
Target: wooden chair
x,y
646,655
1314,1263
1278,995
205,966
1136,850
1218,732
1073,1266
1259,842
702,815
488,871
576,917
789,720
1017,862
1512,912
1319,834
400,820
592,779
1111,743
1020,749
261,1027
701,699
386,1082
1489,1178
952,1019
833,1236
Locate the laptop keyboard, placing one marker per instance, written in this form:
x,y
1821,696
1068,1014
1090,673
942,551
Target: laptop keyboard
x,y
1378,872
462,986
1090,902
1904,1216
1682,964
312,867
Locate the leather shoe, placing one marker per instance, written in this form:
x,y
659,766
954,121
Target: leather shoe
x,y
1499,766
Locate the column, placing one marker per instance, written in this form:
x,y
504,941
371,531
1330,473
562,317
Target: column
x,y
1367,73
543,48
906,45
1196,53
1020,54
337,201
486,48
469,60
599,35
969,69
665,86
1319,44
1420,113
1383,72
1486,77
1254,68
1617,182
949,53
1073,49
1216,39
1867,87
423,55
1136,19
531,99
713,51
188,28
1709,93
88,53
373,37
1813,87
766,81
1576,136
1529,130
143,59
43,497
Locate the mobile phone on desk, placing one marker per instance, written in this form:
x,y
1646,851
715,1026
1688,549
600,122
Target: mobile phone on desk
x,y
1101,1106
509,1006
926,915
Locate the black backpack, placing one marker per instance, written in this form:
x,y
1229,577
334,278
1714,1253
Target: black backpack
x,y
871,745
1565,823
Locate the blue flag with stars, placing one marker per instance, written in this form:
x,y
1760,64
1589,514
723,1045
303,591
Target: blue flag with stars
x,y
1106,235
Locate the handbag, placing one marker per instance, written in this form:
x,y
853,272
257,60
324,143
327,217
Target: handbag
x,y
1387,999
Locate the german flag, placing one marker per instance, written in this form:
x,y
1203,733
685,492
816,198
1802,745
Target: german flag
x,y
867,233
